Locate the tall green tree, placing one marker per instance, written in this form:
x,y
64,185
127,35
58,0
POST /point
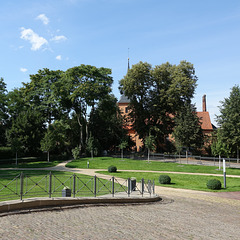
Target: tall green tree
x,y
84,86
187,131
29,129
229,120
149,143
156,94
106,123
42,94
3,111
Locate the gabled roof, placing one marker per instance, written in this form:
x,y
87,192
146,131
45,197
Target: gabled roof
x,y
124,99
205,120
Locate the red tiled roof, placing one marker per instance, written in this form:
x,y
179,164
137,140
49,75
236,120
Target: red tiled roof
x,y
204,118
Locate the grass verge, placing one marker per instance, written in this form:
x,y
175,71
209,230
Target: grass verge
x,y
129,164
193,182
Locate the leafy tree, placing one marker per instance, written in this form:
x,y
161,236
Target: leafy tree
x,y
28,128
187,131
149,143
84,86
76,153
156,94
229,120
122,146
219,147
3,111
106,123
42,93
16,146
92,146
16,103
48,143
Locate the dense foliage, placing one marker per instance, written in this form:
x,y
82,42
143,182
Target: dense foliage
x,y
156,94
229,124
57,111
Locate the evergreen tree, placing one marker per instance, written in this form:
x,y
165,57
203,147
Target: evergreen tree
x,y
187,131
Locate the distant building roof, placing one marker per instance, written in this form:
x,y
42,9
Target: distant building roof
x,y
124,99
205,120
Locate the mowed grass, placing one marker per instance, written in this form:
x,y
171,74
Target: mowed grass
x,y
185,181
129,164
38,164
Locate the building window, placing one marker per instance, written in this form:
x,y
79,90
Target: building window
x,y
126,110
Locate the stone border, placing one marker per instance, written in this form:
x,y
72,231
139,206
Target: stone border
x,y
38,204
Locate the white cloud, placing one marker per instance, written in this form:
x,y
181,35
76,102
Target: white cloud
x,y
23,69
59,57
43,18
36,41
59,38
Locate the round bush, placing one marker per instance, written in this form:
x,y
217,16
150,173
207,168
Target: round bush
x,y
214,184
164,179
112,169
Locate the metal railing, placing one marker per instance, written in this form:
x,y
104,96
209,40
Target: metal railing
x,y
52,185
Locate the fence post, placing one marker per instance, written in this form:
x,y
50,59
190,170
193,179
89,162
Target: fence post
x,y
95,186
74,185
129,186
142,187
153,187
150,187
50,184
21,185
113,186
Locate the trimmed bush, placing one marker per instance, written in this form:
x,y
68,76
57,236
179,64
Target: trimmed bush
x,y
112,169
214,184
164,179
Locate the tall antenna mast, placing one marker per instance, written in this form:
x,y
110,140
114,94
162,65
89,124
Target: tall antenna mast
x,y
128,60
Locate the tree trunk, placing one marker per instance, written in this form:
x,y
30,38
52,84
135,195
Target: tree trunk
x,y
48,156
16,158
122,153
148,155
187,155
219,164
237,154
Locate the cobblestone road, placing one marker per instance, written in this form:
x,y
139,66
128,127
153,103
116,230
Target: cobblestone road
x,y
186,217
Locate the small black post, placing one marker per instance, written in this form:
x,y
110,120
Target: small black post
x,y
74,185
21,185
113,186
95,186
50,184
129,186
142,182
153,187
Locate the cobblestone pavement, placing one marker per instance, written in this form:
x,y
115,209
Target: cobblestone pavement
x,y
182,215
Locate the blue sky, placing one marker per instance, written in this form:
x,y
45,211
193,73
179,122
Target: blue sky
x,y
60,34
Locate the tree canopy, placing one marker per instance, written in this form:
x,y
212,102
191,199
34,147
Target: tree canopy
x,y
156,94
229,120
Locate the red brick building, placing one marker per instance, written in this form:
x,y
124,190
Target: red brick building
x,y
204,117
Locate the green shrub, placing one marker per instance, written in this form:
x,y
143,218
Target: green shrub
x,y
112,168
164,179
214,184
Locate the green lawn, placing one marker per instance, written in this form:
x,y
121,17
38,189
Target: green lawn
x,y
194,182
128,164
38,164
